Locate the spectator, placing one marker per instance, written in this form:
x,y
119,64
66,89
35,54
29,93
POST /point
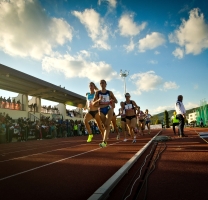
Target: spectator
x,y
201,122
175,122
181,115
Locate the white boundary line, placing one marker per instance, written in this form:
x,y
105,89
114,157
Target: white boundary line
x,y
39,153
55,162
106,188
200,136
42,146
7,177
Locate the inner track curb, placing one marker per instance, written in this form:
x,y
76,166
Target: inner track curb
x,y
103,192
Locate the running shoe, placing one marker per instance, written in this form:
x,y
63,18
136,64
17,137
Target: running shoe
x,y
90,136
125,140
103,144
118,137
134,141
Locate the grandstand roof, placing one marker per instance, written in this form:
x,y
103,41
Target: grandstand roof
x,y
19,82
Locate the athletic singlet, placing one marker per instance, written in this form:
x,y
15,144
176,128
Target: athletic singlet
x,y
141,115
105,97
89,98
129,106
148,116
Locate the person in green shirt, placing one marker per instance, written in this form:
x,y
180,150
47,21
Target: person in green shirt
x,y
174,121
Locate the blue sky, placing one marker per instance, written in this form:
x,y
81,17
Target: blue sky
x,y
163,45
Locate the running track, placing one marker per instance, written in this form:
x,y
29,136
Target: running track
x,y
70,168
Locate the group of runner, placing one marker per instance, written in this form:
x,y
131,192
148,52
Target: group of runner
x,y
100,104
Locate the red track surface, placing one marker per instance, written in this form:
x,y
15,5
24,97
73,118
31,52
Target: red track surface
x,y
70,168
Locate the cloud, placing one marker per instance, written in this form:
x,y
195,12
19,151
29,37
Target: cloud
x,y
154,62
178,53
149,81
156,52
128,27
146,81
190,105
151,41
170,85
26,30
129,47
161,109
192,34
95,27
111,3
78,66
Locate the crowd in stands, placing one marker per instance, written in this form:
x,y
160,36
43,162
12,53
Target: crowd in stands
x,y
72,113
24,129
10,104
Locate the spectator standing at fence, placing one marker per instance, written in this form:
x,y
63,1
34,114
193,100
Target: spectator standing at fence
x,y
75,129
201,122
175,121
181,115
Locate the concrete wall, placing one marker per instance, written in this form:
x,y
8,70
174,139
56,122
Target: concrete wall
x,y
15,114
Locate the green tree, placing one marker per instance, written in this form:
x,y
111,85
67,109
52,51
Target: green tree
x,y
166,119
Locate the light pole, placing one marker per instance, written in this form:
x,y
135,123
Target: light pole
x,y
124,74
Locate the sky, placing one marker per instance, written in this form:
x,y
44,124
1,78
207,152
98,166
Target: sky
x,y
163,45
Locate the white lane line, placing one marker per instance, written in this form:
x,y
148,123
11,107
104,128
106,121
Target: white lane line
x,y
42,144
54,162
48,164
31,149
201,134
39,153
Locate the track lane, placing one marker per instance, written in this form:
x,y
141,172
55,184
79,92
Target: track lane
x,y
93,168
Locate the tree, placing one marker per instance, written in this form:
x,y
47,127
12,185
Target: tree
x,y
166,119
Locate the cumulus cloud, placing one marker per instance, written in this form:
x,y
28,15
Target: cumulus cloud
x,y
151,41
95,27
79,66
146,81
162,109
170,85
178,53
129,47
26,30
191,105
128,27
192,34
156,52
111,3
154,62
149,81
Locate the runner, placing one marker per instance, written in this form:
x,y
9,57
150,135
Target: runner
x,y
115,128
147,118
106,100
131,110
121,112
141,121
92,112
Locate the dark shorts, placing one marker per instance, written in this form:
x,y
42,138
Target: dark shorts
x,y
141,120
93,113
130,117
123,119
147,122
105,110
